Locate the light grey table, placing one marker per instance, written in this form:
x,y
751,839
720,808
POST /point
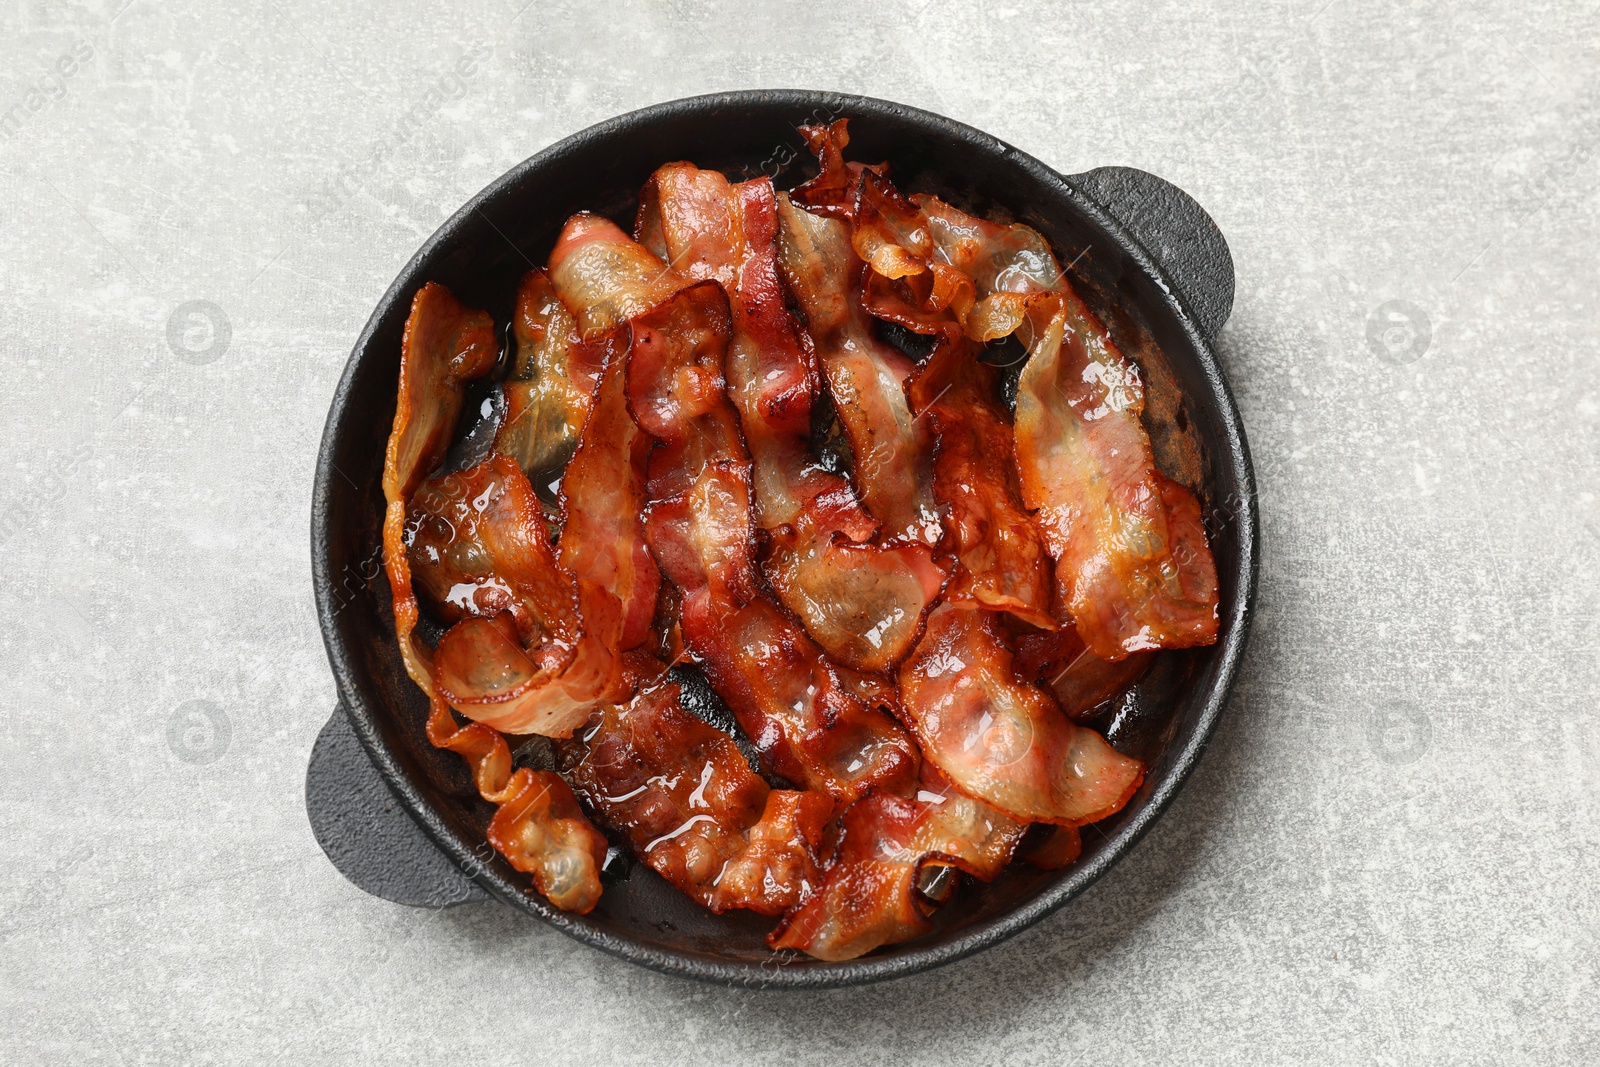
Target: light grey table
x,y
1389,853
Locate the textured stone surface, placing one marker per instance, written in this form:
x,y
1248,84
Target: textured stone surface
x,y
1388,855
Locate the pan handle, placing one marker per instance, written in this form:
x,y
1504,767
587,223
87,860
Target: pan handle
x,y
367,834
1177,233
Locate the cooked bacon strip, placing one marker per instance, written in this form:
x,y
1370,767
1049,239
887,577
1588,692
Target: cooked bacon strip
x,y
1112,521
1132,564
550,386
1081,680
538,828
602,506
484,670
710,230
1003,740
786,696
863,603
445,345
692,809
1013,271
1004,565
676,390
892,451
805,723
543,832
789,700
869,894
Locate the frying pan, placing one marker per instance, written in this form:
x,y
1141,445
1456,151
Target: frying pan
x,y
402,820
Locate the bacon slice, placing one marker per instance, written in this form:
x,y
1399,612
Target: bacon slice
x,y
543,832
805,723
1132,563
1003,740
869,894
602,505
445,345
538,828
692,809
710,230
1004,565
604,276
789,700
1083,457
550,386
676,389
863,603
892,451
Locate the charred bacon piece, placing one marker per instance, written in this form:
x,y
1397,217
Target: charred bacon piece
x,y
864,603
537,826
690,806
870,893
1001,739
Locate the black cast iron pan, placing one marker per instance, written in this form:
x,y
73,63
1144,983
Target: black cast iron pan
x,y
401,819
